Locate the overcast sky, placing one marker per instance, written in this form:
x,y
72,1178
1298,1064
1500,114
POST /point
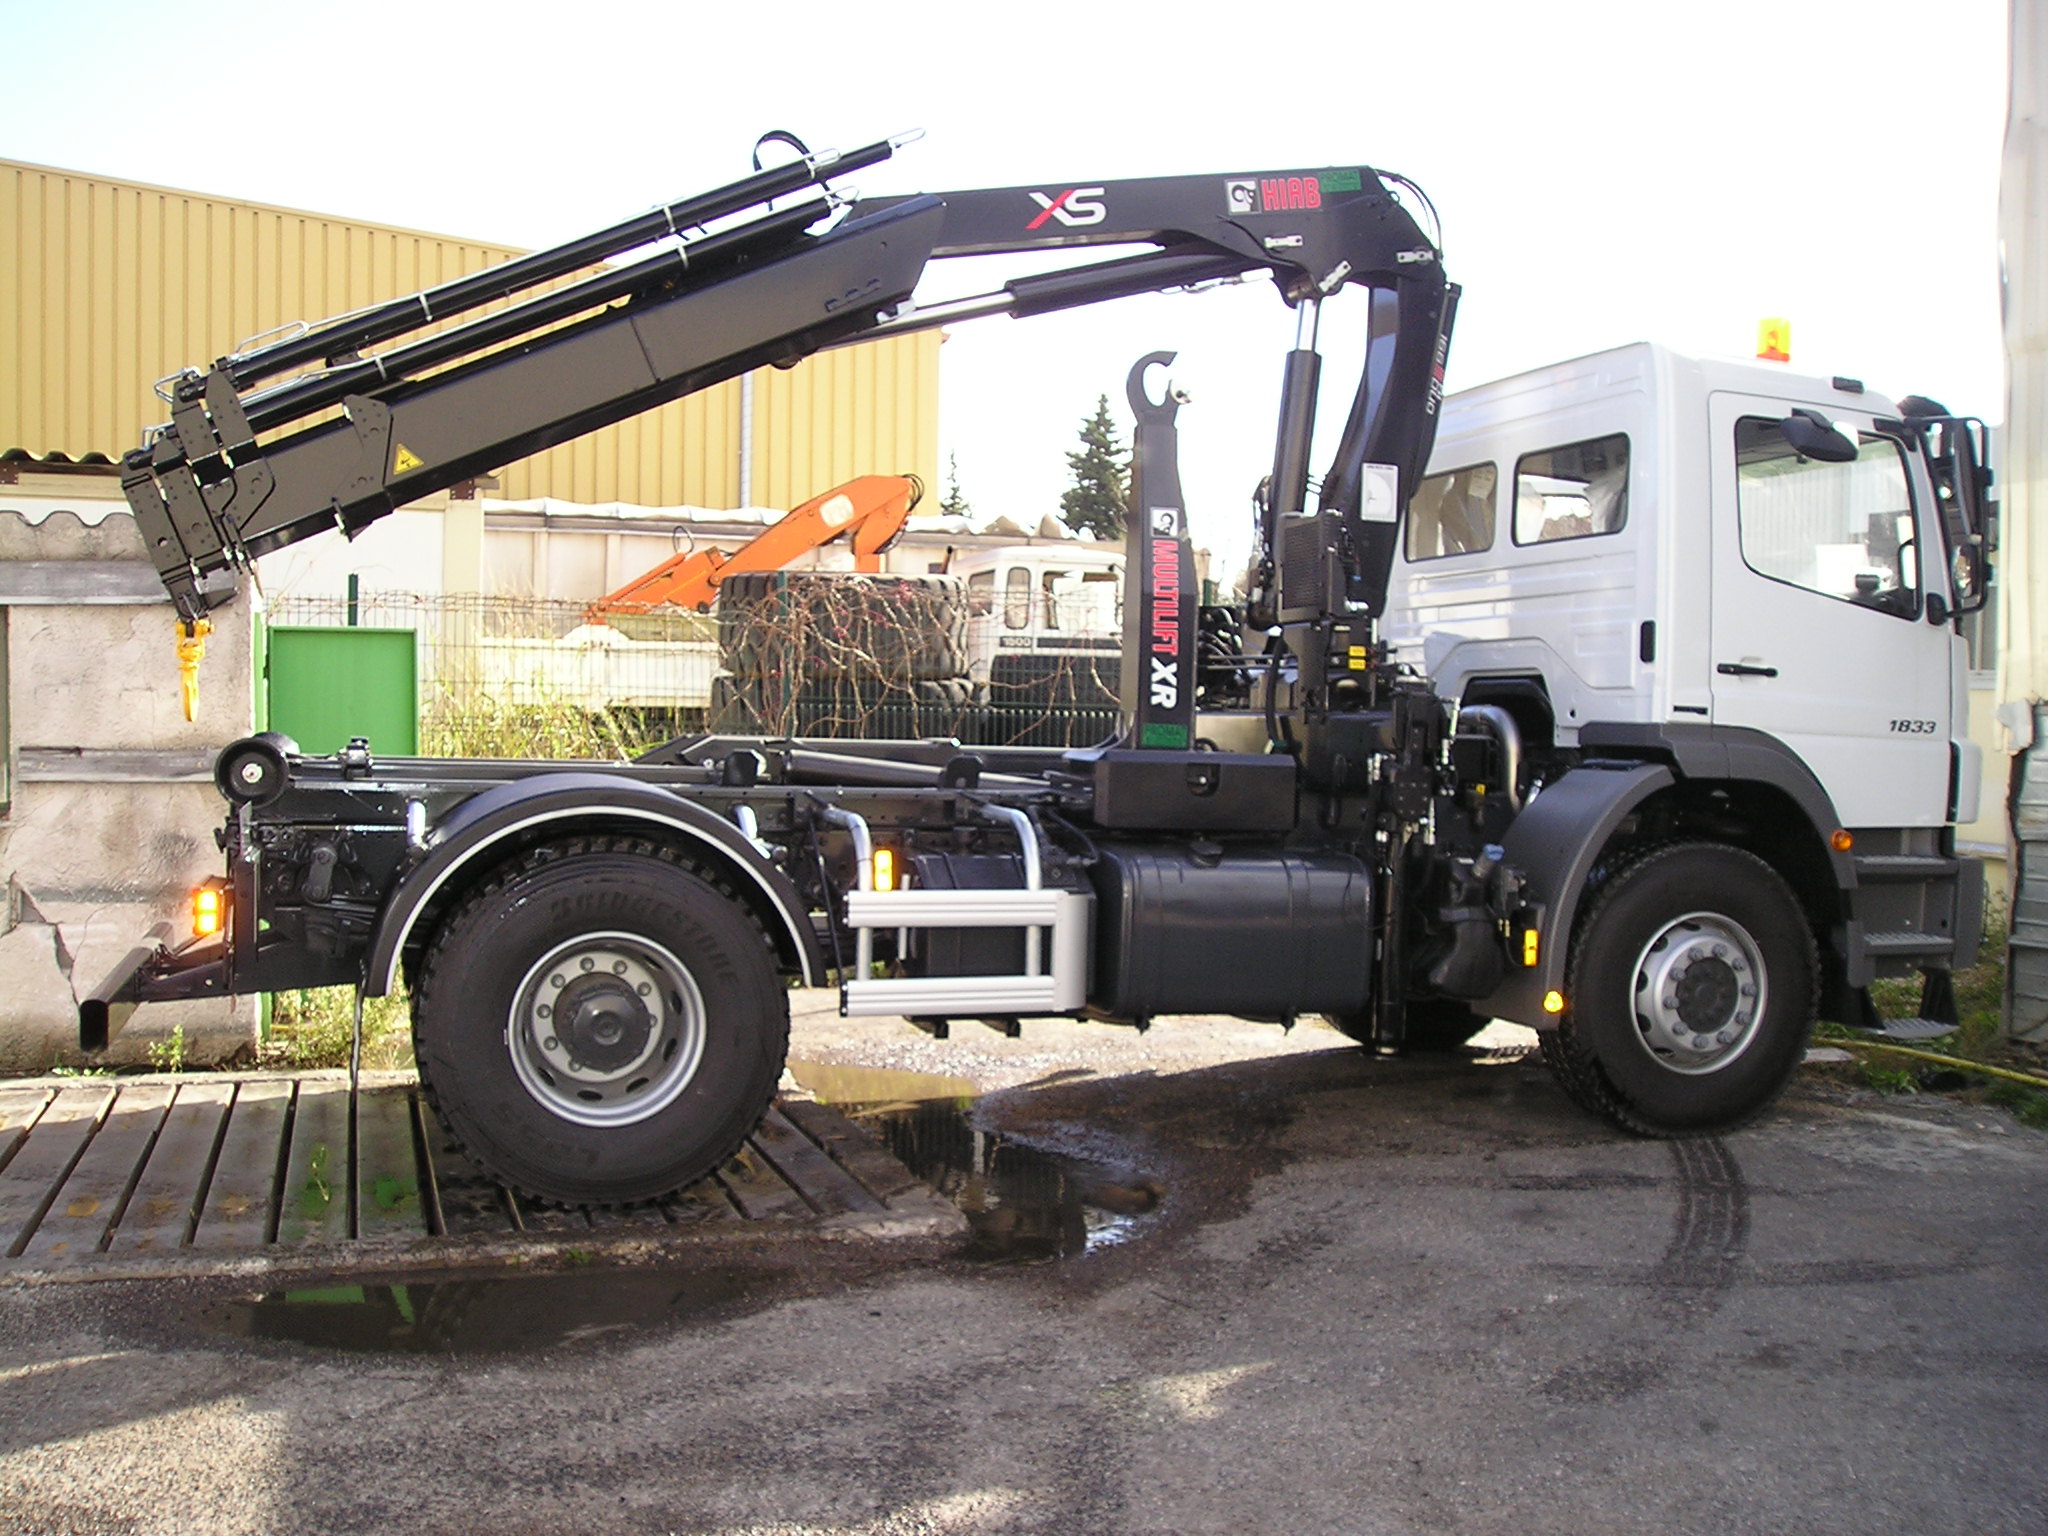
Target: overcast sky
x,y
1605,172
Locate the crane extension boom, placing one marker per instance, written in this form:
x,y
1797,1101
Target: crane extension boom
x,y
868,511
244,467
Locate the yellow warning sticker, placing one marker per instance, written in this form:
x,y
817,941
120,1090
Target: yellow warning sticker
x,y
405,461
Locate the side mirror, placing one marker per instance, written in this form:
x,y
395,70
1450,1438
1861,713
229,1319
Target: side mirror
x,y
1813,436
1958,457
1970,572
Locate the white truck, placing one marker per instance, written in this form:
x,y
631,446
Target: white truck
x,y
1686,773
1045,622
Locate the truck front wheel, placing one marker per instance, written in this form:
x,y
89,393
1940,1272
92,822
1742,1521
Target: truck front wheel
x,y
1690,992
600,1023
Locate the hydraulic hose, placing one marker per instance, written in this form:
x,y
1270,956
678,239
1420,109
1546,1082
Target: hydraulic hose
x,y
1960,1063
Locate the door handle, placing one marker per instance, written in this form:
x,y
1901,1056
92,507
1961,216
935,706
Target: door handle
x,y
1743,669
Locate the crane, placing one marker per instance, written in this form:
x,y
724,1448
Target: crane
x,y
869,511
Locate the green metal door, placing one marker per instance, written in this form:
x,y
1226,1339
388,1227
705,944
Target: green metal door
x,y
325,685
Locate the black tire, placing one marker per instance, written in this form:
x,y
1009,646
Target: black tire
x,y
1434,1025
573,938
1691,990
734,706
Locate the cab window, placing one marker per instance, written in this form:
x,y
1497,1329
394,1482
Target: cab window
x,y
1051,582
1017,598
1452,513
1843,530
981,593
1578,491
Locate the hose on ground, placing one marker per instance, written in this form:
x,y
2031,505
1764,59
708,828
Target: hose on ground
x,y
1958,1062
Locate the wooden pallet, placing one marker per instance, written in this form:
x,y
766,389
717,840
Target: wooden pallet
x,y
213,1171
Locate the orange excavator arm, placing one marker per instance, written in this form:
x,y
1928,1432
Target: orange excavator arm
x,y
870,511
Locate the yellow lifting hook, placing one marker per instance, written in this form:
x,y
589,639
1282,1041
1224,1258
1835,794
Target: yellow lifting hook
x,y
192,635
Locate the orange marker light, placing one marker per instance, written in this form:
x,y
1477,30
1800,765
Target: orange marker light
x,y
885,869
1842,842
206,911
1553,1002
1530,941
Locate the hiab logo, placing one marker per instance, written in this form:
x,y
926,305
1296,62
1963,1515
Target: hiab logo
x,y
1073,207
1275,194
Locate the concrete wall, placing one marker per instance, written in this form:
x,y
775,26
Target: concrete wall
x,y
2023,481
112,809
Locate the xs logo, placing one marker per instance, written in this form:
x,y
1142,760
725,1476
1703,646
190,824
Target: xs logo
x,y
1075,206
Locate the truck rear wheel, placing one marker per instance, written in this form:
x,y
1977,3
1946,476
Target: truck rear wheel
x,y
1690,991
600,1023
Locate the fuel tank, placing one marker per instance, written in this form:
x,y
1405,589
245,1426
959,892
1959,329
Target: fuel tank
x,y
1211,929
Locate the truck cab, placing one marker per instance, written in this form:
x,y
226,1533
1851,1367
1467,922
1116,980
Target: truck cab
x,y
1045,622
1629,555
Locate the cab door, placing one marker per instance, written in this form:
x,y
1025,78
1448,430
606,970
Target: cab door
x,y
1819,635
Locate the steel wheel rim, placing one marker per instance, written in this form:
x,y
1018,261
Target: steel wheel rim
x,y
606,1029
1699,993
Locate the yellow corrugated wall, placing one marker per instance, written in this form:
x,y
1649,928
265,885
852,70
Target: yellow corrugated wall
x,y
107,286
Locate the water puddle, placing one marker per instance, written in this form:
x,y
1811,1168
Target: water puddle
x,y
501,1314
878,1086
1022,1203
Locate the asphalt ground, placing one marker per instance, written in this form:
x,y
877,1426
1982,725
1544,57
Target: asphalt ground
x,y
1361,1296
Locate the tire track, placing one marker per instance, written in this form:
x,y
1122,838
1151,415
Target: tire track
x,y
1709,1231
1699,1266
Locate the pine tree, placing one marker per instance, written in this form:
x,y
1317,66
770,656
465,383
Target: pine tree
x,y
953,504
1100,495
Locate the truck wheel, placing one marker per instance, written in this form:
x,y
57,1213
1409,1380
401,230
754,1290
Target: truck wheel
x,y
600,1023
1691,992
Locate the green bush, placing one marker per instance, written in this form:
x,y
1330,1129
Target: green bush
x,y
311,1029
480,726
1888,1079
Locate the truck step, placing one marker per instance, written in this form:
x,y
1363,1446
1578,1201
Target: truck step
x,y
1905,866
1906,944
1908,1029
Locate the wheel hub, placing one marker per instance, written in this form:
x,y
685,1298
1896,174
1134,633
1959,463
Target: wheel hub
x,y
1699,992
1707,994
602,1024
606,1029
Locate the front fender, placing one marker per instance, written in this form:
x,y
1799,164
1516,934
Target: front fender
x,y
1555,843
473,835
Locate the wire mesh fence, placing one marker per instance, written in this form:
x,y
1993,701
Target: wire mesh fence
x,y
848,659
531,677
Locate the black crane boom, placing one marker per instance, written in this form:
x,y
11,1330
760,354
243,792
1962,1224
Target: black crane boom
x,y
247,466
